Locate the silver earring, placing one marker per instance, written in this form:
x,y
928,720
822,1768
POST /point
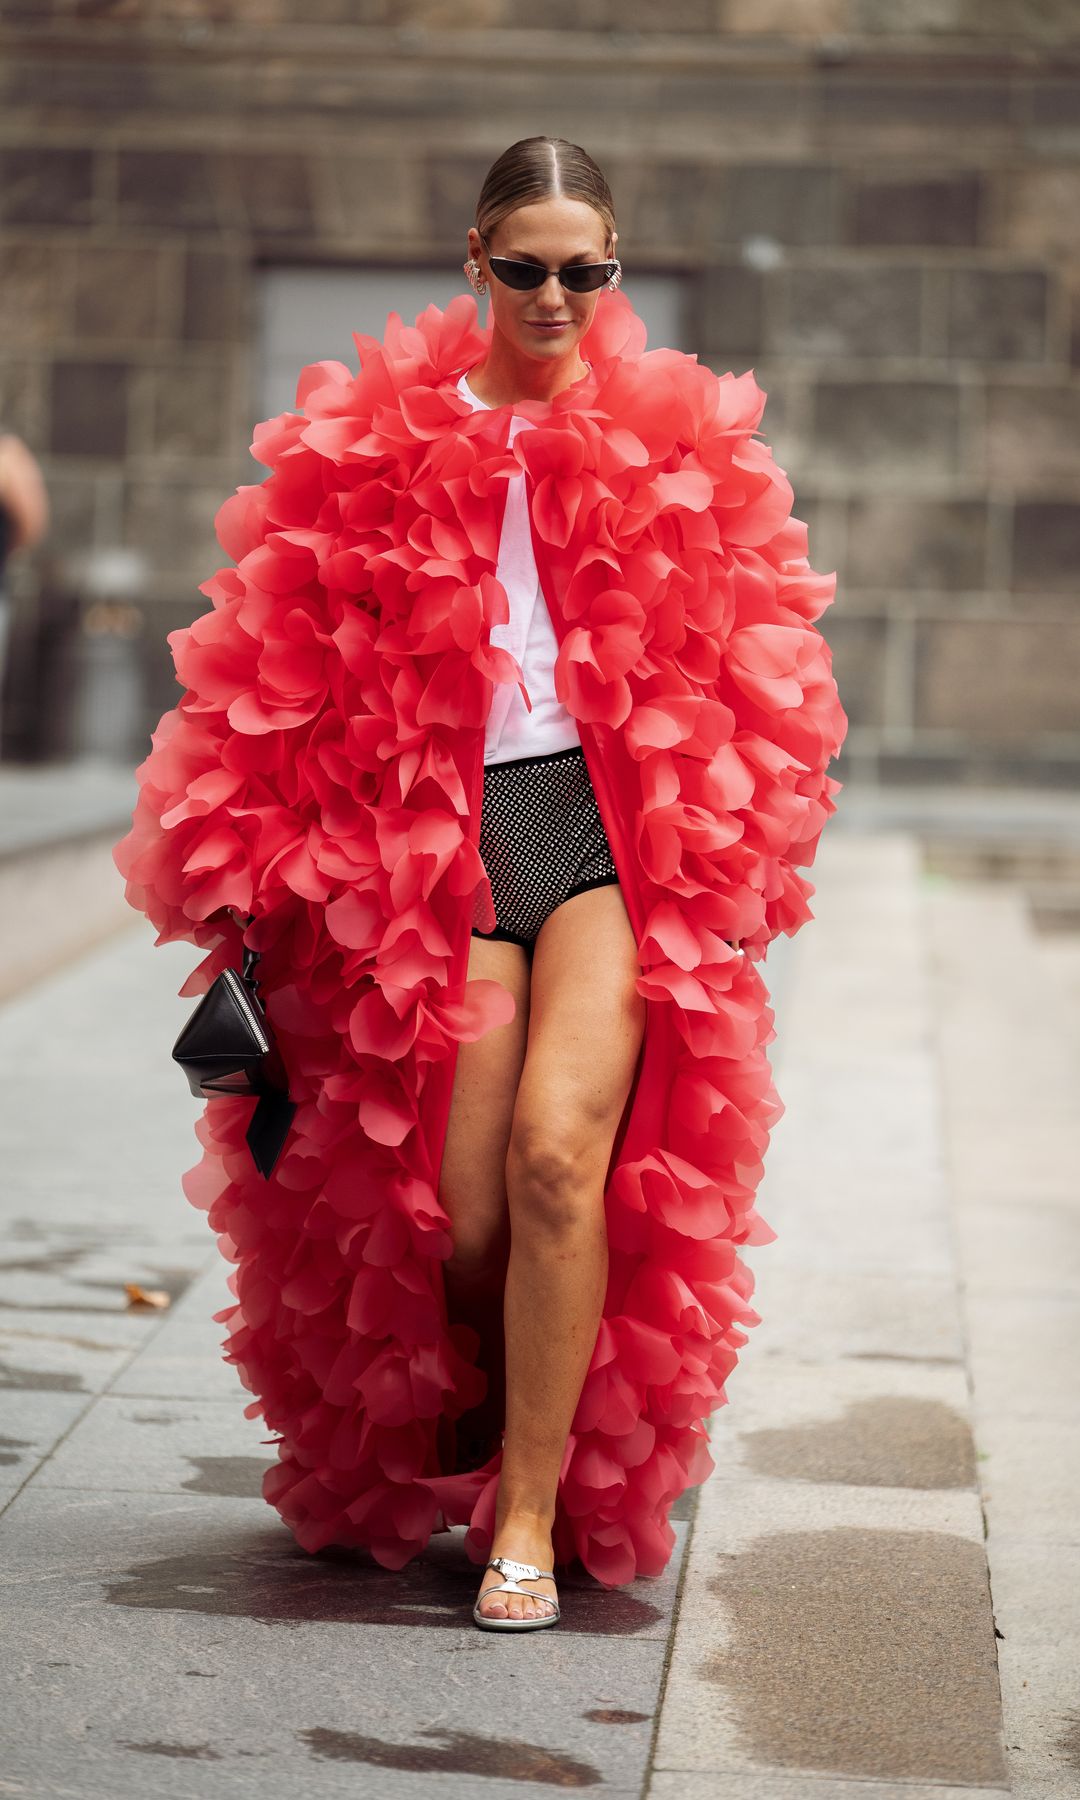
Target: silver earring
x,y
472,271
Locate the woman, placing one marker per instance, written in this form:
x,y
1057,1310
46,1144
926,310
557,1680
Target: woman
x,y
508,729
536,1103
24,519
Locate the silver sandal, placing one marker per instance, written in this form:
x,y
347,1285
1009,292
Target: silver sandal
x,y
516,1572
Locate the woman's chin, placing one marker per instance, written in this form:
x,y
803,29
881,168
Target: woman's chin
x,y
544,344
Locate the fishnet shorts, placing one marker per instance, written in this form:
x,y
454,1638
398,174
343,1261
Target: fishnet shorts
x,y
541,840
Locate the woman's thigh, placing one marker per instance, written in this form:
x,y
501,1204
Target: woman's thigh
x,y
586,1023
472,1183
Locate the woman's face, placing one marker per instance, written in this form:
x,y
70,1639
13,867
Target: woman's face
x,y
547,323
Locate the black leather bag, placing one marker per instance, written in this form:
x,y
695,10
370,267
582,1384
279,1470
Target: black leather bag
x,y
227,1047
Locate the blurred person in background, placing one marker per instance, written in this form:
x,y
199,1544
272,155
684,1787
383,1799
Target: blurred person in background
x,y
24,517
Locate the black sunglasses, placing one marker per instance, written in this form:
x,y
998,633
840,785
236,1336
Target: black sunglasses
x,y
576,278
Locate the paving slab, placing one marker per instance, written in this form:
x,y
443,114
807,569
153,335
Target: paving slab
x,y
62,1350
162,1633
875,1595
1030,1473
1042,1381
842,1629
185,1361
836,1630
1008,1031
60,802
886,1313
272,1669
161,1446
33,1423
878,1423
1024,1242
98,1123
1036,1585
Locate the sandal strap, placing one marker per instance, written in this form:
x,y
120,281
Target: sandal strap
x,y
519,1571
511,1587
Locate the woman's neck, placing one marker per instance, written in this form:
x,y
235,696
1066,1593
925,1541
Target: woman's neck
x,y
503,378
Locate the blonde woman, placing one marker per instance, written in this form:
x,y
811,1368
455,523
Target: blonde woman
x,y
501,746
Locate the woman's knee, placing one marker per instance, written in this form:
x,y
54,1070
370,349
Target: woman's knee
x,y
551,1178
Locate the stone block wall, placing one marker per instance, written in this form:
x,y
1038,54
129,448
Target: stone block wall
x,y
873,207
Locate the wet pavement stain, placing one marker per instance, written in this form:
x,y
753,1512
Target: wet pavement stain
x,y
865,1653
258,1576
196,1752
610,1715
62,1337
9,1449
1069,1742
228,1477
459,1753
55,1261
894,1441
13,1375
64,1248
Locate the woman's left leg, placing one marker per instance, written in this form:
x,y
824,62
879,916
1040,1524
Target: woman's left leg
x,y
586,1021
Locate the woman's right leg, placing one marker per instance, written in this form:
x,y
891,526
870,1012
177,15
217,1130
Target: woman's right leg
x,y
472,1183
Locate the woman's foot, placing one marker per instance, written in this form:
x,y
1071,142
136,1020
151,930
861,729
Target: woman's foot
x,y
521,1540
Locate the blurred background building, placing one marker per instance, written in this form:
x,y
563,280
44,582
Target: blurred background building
x,y
872,206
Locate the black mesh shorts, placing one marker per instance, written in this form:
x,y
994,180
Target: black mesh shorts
x,y
541,840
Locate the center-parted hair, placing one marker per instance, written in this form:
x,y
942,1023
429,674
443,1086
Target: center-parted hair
x,y
542,168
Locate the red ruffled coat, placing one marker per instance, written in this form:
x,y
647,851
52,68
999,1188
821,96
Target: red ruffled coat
x,y
323,770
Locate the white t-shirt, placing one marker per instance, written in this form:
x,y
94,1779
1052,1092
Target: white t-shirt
x,y
512,730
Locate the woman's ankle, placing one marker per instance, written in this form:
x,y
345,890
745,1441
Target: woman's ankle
x,y
527,1524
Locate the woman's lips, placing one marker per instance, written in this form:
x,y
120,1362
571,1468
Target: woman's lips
x,y
557,325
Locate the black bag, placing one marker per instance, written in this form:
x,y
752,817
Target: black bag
x,y
227,1047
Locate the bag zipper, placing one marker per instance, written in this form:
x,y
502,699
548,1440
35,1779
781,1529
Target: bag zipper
x,y
240,994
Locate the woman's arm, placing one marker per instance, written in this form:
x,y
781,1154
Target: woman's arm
x,y
22,492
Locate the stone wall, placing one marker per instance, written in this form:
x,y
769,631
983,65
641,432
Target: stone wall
x,y
883,225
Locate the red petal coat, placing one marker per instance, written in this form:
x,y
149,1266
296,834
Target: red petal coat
x,y
323,769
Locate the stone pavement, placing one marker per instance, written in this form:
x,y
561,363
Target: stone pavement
x,y
875,1594
882,1593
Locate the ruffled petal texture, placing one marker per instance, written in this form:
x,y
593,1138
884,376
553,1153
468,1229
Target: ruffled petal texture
x,y
323,771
